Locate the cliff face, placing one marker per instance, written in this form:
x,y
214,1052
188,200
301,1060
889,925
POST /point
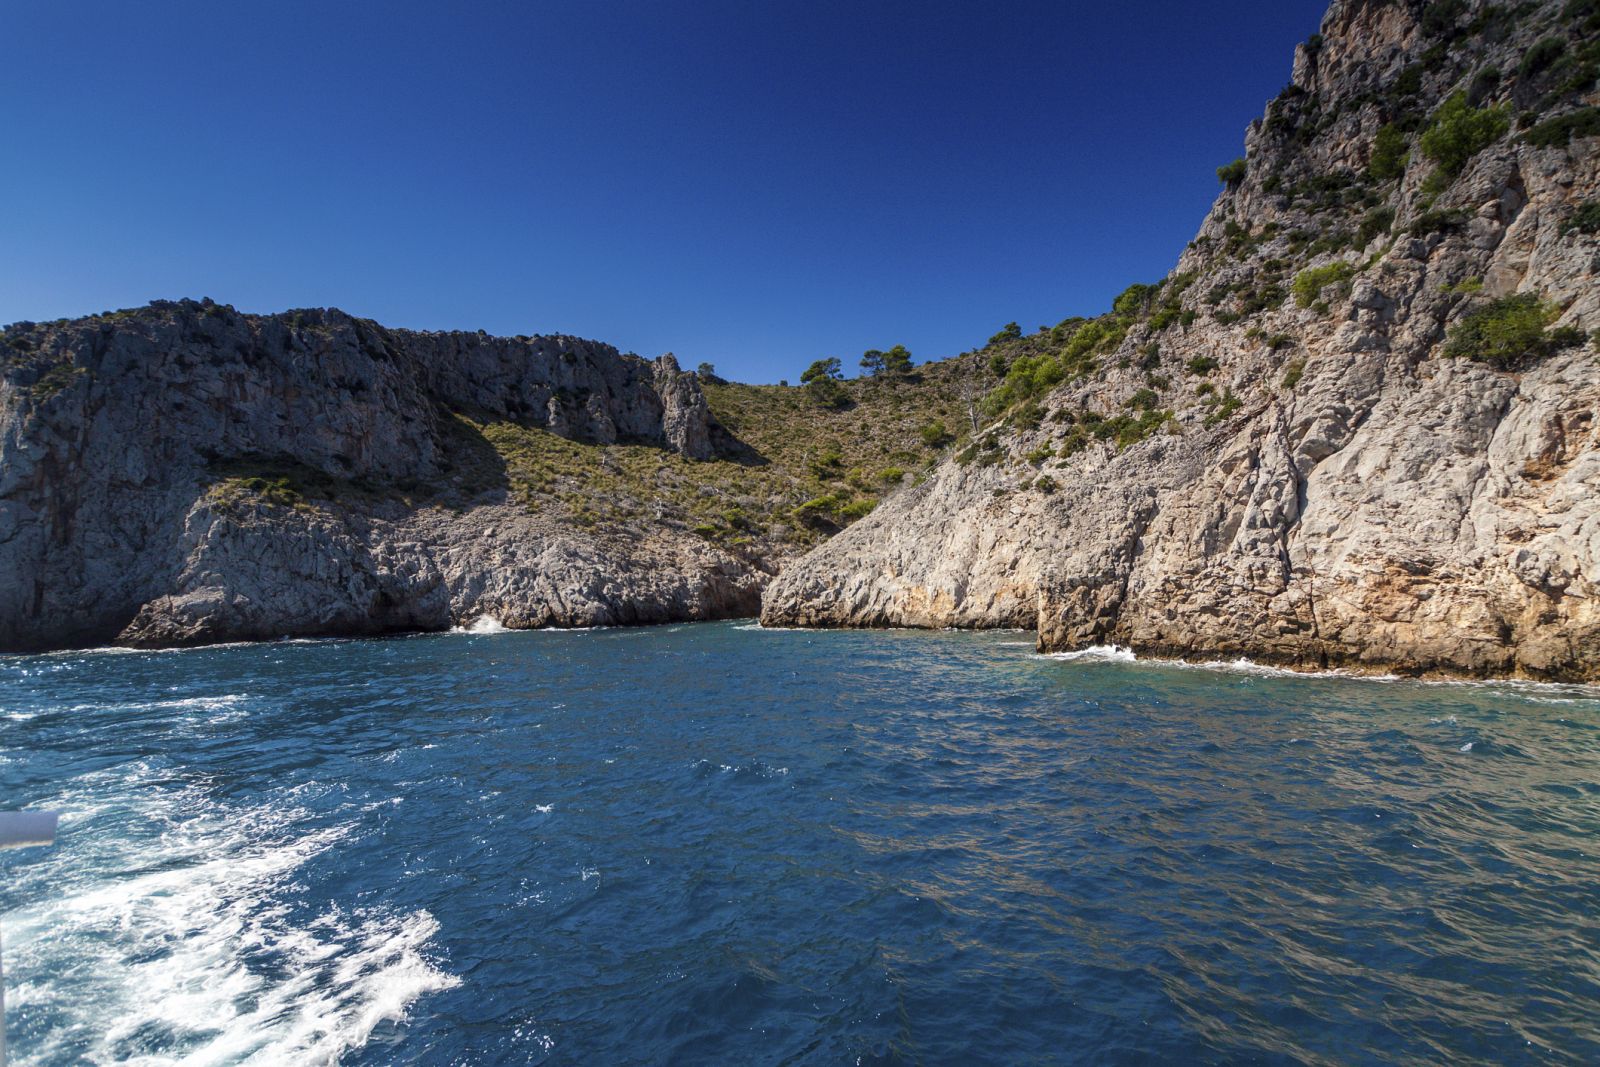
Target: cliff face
x,y
185,473
1370,459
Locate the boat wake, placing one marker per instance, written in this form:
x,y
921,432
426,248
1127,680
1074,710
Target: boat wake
x,y
189,947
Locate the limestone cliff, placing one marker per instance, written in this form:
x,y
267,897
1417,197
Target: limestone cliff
x,y
1357,425
185,473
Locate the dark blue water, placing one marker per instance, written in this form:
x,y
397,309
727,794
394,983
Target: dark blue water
x,y
714,844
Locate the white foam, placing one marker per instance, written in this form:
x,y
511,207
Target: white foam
x,y
1541,692
1108,653
188,942
483,624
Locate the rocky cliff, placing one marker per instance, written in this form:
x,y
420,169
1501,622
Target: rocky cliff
x,y
184,473
1357,425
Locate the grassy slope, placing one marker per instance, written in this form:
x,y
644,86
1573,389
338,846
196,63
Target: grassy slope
x,y
812,470
808,470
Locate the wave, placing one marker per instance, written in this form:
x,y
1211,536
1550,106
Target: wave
x,y
1106,653
483,624
195,948
1544,692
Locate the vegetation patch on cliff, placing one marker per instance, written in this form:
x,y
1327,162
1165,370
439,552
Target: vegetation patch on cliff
x,y
1510,333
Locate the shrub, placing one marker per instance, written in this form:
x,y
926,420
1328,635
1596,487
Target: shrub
x,y
1224,410
822,368
1027,415
57,378
1232,173
1484,83
1440,17
1555,132
1438,222
1143,400
934,435
828,393
1202,365
1540,55
897,361
1509,333
1009,332
1293,372
1460,131
1134,299
1586,219
1375,223
1389,154
1308,284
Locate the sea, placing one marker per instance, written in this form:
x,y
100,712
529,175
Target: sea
x,y
722,844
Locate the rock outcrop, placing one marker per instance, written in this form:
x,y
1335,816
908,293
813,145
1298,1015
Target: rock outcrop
x,y
1339,482
153,466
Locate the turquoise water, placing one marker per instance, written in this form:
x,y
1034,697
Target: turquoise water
x,y
717,844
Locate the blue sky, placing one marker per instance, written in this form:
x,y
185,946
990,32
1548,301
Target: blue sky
x,y
755,184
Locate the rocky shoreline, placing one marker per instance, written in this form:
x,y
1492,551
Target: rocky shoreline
x,y
1356,427
1319,481
184,474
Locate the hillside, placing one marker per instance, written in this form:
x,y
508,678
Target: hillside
x,y
185,473
1355,425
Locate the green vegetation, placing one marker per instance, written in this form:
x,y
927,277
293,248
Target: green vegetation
x,y
1143,400
1122,430
1202,365
805,473
1224,409
1540,55
59,377
895,363
1009,332
1293,372
1044,366
1510,333
822,368
1484,85
291,484
828,394
1170,309
1389,154
1438,222
1232,173
1374,223
1552,133
1584,219
1440,17
1308,284
1465,285
1459,132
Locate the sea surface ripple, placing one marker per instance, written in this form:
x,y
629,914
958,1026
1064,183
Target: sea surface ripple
x,y
718,844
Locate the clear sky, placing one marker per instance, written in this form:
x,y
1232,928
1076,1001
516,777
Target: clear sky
x,y
755,183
